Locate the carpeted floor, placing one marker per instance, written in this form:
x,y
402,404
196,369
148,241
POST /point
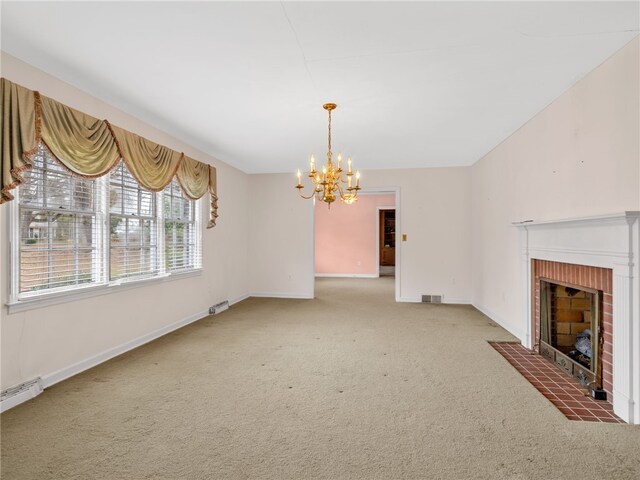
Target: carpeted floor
x,y
350,385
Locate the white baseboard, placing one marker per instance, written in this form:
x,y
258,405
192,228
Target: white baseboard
x,y
519,334
347,275
63,374
456,301
410,299
239,299
445,300
303,296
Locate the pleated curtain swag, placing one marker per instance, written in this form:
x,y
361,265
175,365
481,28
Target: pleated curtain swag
x,y
89,147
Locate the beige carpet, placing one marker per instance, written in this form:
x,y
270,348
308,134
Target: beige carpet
x,y
350,385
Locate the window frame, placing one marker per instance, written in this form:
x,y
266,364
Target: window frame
x,y
21,301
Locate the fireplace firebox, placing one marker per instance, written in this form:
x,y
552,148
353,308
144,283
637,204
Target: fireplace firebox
x,y
570,330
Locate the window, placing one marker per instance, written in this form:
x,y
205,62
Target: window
x,y
182,249
133,246
71,232
58,229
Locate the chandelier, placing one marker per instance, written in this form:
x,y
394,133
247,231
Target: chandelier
x,y
328,183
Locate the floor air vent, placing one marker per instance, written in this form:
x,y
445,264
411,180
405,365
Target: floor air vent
x,y
14,396
431,298
219,307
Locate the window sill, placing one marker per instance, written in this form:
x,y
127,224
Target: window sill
x,y
48,299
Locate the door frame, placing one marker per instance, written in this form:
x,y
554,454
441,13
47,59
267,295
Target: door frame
x,y
367,191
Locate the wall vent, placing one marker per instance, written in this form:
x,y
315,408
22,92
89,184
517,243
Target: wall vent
x,y
431,298
20,393
219,308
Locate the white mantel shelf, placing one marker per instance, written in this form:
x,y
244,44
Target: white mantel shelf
x,y
606,241
632,215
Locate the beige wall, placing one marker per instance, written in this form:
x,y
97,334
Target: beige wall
x,y
580,156
281,244
45,340
434,211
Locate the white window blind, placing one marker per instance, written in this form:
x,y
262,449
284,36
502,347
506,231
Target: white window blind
x,y
70,232
133,245
59,234
181,230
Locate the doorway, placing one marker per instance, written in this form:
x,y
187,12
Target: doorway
x,y
346,246
386,241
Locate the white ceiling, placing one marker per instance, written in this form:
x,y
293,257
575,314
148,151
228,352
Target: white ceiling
x,y
417,84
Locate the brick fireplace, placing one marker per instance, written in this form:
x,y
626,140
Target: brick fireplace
x,y
598,256
574,312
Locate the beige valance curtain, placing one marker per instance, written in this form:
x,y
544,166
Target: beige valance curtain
x,y
90,147
19,133
82,143
151,164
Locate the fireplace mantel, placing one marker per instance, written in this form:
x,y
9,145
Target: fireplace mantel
x,y
607,241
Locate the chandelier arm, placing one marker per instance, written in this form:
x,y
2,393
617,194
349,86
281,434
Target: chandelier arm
x,y
343,195
309,197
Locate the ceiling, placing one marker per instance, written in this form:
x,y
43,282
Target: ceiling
x,y
417,84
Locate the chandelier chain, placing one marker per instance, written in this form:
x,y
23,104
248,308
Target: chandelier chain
x,y
329,153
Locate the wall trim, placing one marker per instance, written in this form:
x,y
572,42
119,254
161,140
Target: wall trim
x,y
456,301
298,296
239,299
445,300
347,275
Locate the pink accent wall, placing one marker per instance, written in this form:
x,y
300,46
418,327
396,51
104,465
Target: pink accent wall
x,y
345,235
